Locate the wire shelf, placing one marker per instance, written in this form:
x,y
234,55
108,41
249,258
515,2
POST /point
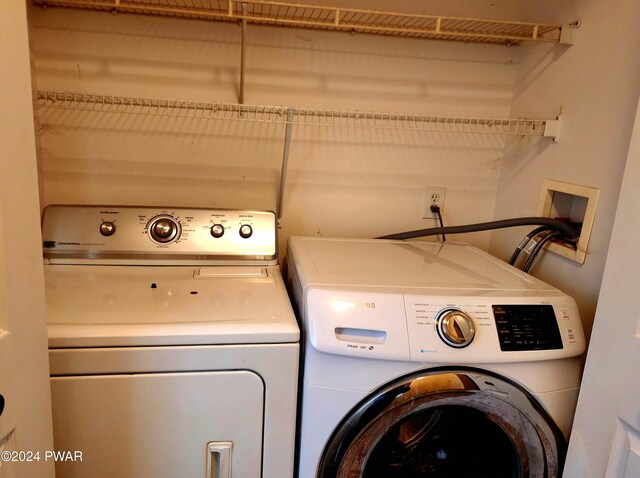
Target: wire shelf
x,y
279,114
334,19
157,107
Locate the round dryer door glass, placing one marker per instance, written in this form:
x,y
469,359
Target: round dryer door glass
x,y
445,424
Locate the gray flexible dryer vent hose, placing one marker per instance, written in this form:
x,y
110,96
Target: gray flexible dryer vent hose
x,y
569,232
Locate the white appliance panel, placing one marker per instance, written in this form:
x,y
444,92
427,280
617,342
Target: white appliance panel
x,y
403,327
375,262
275,364
358,324
158,425
75,231
151,305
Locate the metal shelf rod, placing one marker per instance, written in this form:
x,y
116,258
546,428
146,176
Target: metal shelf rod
x,y
243,53
285,162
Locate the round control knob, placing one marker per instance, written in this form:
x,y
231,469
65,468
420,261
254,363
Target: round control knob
x,y
164,230
245,231
455,328
107,228
217,230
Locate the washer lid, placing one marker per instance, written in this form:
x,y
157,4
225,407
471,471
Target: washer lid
x,y
97,306
367,262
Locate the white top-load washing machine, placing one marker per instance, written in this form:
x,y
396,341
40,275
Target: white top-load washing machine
x,y
173,346
427,359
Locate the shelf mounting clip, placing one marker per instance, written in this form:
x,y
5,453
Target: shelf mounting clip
x,y
552,129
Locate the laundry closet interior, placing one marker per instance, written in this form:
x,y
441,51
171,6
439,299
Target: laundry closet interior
x,y
341,180
346,123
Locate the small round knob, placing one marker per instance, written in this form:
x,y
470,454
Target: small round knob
x,y
455,328
245,231
107,228
164,230
217,230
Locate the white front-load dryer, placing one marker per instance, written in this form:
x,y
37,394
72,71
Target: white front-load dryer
x,y
430,360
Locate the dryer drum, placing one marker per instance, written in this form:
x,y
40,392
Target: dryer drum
x,y
446,423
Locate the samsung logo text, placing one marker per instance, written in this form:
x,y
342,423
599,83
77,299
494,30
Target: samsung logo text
x,y
344,305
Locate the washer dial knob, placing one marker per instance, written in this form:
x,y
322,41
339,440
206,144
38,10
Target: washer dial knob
x,y
245,231
455,328
217,230
107,228
164,229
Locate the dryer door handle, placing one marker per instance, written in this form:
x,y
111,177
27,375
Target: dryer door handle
x,y
219,459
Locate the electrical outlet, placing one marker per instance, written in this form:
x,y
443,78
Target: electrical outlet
x,y
432,196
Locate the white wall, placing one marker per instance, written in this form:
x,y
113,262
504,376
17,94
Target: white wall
x,y
596,84
340,183
607,421
25,424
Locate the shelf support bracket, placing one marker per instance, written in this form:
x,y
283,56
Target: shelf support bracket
x,y
285,161
243,48
552,129
568,33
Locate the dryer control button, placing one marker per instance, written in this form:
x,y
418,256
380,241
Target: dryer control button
x,y
246,231
107,228
217,230
455,328
164,229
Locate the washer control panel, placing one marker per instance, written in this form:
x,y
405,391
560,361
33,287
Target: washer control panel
x,y
484,328
108,232
445,328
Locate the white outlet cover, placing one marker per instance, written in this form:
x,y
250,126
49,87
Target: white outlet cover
x,y
429,191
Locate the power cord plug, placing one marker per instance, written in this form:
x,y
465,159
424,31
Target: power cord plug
x,y
436,210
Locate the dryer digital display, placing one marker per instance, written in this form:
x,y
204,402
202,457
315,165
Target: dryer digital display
x,y
527,327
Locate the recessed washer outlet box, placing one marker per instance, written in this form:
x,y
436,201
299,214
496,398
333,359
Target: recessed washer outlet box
x,y
572,202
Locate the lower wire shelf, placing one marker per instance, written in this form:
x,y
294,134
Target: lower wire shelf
x,y
293,115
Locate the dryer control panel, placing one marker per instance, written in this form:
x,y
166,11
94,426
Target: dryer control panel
x,y
148,233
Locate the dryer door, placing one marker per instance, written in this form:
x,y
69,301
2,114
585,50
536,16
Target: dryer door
x,y
446,424
159,425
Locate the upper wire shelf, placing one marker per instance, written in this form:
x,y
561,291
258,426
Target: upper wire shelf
x,y
336,19
293,116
